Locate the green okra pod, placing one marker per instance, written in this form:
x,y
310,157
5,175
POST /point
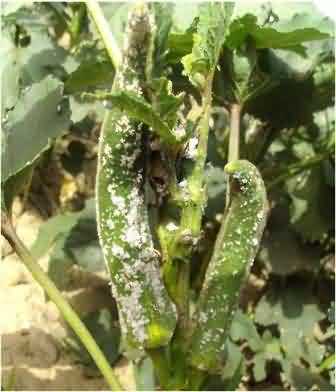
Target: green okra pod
x,y
235,249
146,313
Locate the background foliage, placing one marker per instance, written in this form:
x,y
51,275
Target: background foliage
x,y
281,67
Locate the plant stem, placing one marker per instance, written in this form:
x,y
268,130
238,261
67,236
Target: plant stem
x,y
183,294
66,310
233,153
189,232
235,113
196,379
161,365
105,32
191,214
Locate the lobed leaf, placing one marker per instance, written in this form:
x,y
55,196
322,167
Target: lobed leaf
x,y
295,311
138,109
208,40
41,115
20,66
163,14
267,37
88,74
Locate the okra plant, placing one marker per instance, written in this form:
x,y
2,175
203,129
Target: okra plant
x,y
175,274
148,253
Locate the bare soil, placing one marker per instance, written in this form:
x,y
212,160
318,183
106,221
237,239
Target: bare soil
x,y
32,350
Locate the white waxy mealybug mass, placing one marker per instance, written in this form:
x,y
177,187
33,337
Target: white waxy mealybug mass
x,y
235,249
147,315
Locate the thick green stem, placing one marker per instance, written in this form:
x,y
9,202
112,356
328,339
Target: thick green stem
x,y
161,365
188,234
183,295
196,379
192,211
179,345
234,141
235,113
105,32
54,294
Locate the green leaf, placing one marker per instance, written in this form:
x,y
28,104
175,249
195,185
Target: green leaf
x,y
328,363
81,108
22,66
31,17
116,14
293,300
163,13
233,363
271,350
243,328
8,8
106,333
16,184
310,208
54,229
74,241
301,16
144,375
94,73
279,108
184,15
231,374
256,71
164,102
267,37
139,109
304,379
41,115
208,40
179,44
282,251
324,79
82,241
266,348
294,309
283,254
60,264
270,38
248,82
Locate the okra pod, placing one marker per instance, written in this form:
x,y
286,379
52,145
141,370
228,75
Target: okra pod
x,y
147,315
234,252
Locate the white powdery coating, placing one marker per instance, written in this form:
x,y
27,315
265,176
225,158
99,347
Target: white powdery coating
x,y
179,131
107,150
212,318
118,251
132,235
132,310
127,242
118,201
152,274
171,226
191,150
110,224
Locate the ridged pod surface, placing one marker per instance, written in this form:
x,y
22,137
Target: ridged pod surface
x,y
235,249
147,315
